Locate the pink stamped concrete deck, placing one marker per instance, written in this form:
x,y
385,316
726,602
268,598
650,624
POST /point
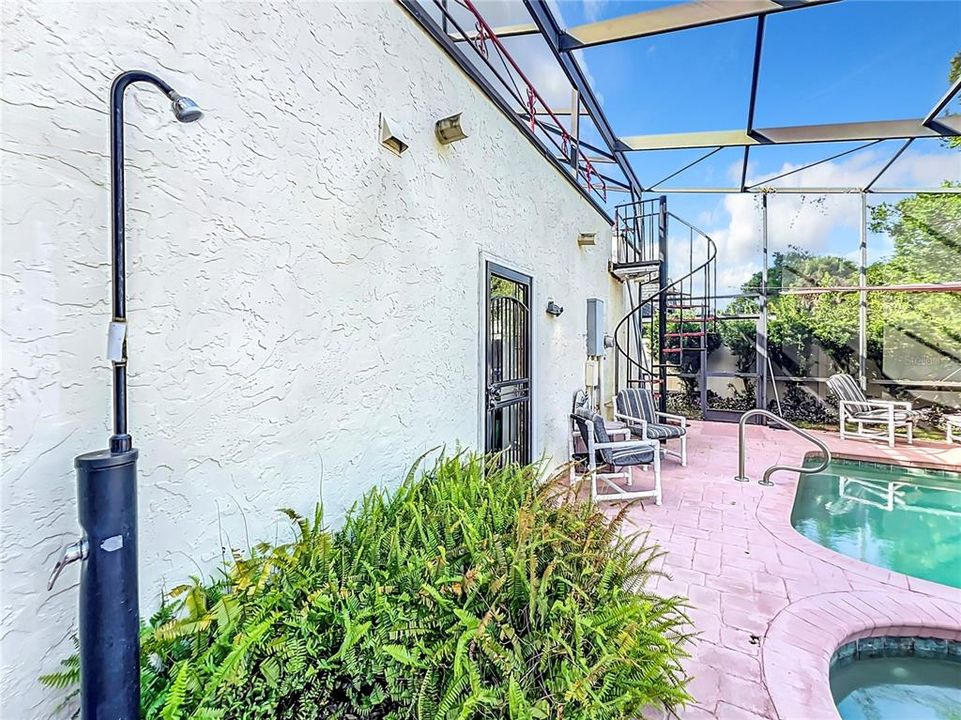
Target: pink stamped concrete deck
x,y
771,606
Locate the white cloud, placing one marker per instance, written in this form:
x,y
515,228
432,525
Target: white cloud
x,y
819,223
594,9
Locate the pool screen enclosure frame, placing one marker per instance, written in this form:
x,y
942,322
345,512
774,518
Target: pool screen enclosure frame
x,y
765,376
483,53
480,50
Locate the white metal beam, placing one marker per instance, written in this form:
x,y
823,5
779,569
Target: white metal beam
x,y
948,126
696,13
810,191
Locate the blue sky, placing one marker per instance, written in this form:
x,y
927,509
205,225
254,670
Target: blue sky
x,y
839,62
847,61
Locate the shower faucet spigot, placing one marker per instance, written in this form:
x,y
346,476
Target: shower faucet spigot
x,y
71,554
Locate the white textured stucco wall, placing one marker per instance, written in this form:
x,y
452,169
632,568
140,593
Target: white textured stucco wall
x,y
303,304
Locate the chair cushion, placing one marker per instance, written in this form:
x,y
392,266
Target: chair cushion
x,y
588,421
608,456
846,388
658,431
881,415
634,456
636,402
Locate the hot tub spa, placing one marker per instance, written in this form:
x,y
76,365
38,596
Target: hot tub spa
x,y
897,677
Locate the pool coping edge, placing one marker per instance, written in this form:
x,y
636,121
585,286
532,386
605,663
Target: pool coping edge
x,y
803,637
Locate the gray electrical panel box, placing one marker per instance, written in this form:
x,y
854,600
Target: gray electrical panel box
x,y
595,327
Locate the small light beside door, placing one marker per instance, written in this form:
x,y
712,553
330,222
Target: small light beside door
x,y
553,308
586,239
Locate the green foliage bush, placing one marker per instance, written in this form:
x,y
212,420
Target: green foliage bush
x,y
802,405
472,591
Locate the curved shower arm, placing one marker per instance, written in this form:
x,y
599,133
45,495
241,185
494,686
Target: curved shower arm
x,y
766,480
128,77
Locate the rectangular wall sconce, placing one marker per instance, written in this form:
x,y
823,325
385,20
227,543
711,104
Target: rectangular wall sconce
x,y
587,239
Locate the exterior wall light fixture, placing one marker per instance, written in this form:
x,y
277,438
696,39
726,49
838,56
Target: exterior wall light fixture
x,y
449,130
390,140
553,308
587,239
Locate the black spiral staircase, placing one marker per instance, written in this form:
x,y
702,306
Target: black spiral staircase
x,y
663,342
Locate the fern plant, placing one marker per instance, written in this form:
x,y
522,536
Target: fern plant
x,y
472,591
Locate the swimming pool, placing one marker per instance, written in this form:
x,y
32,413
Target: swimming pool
x,y
891,680
903,519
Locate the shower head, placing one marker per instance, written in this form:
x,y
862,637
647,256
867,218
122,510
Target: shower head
x,y
185,109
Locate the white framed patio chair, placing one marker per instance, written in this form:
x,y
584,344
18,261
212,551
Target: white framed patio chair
x,y
635,407
607,461
855,409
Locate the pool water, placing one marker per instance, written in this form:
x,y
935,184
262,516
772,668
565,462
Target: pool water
x,y
903,519
898,688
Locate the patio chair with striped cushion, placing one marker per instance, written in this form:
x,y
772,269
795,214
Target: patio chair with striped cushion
x,y
635,406
854,407
608,461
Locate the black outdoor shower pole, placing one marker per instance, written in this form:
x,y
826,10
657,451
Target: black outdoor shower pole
x,y
107,485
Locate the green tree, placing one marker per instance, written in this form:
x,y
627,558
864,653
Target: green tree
x,y
925,230
798,324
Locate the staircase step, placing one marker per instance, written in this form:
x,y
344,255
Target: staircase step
x,y
635,270
686,349
693,319
699,333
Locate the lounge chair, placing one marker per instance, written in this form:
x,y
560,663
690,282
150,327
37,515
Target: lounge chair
x,y
635,406
854,407
608,461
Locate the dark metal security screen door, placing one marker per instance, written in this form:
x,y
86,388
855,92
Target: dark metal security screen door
x,y
507,424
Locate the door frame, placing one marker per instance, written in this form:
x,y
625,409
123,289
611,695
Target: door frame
x,y
503,267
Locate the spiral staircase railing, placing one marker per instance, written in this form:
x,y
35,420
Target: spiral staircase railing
x,y
679,315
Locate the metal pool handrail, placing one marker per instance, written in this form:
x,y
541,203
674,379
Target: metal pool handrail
x,y
766,480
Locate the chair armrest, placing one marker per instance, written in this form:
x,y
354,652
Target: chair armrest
x,y
879,404
633,422
625,431
629,419
670,416
891,403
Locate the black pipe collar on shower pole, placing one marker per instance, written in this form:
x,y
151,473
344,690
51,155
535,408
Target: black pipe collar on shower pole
x,y
107,485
